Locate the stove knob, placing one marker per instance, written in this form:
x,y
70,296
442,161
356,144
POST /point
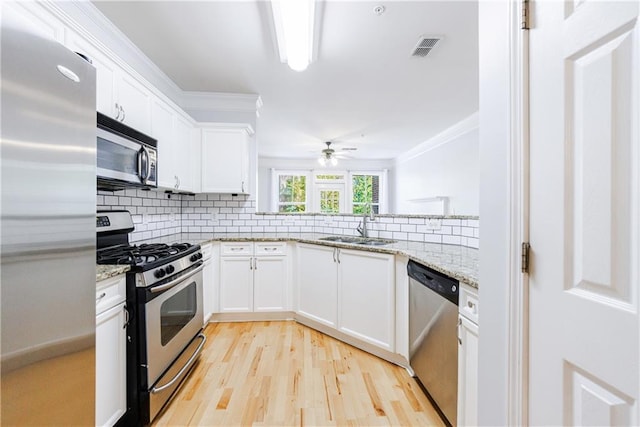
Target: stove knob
x,y
170,269
159,273
193,258
199,255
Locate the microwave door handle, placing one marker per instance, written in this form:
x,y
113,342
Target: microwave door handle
x,y
143,164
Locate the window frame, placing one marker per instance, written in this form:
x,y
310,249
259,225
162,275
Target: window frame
x,y
382,195
275,189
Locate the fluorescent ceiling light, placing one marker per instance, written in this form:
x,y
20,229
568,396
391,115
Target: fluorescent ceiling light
x,y
294,25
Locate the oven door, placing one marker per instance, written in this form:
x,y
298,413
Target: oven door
x,y
174,316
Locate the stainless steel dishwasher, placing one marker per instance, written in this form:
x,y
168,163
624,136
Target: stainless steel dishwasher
x,y
433,339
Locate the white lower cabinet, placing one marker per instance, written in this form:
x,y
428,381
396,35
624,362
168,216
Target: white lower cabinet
x,y
208,281
318,283
366,296
350,290
111,351
468,332
253,277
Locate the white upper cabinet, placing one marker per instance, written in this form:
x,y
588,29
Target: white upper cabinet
x,y
162,131
133,106
183,153
106,71
225,158
32,18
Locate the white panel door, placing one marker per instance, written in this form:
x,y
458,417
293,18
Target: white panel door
x,y
269,283
236,284
31,17
467,372
224,161
584,216
366,297
135,101
182,134
318,284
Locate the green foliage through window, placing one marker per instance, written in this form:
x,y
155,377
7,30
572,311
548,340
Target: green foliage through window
x,y
366,193
292,194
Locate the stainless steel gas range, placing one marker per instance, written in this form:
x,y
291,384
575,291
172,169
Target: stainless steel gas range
x,y
164,298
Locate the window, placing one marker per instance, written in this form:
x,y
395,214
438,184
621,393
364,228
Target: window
x,y
331,193
292,193
366,193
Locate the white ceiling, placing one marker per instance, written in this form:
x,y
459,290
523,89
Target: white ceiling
x,y
364,90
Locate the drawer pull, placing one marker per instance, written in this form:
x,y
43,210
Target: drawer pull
x,y
102,295
470,304
270,249
236,249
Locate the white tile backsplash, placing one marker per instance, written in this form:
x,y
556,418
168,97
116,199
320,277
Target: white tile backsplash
x,y
158,214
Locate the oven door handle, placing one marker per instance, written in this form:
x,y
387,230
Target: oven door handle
x,y
186,366
173,283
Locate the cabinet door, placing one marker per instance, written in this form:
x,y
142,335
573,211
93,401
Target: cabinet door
x,y
182,138
467,372
135,101
236,284
111,366
162,131
270,283
366,297
33,18
208,293
106,71
195,161
318,284
224,161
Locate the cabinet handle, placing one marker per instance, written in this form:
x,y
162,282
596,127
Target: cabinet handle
x,y
102,295
458,331
255,263
236,249
250,263
338,255
126,317
177,182
242,187
124,114
270,249
117,111
334,254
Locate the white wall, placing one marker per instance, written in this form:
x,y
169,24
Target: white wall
x,y
450,169
495,186
265,164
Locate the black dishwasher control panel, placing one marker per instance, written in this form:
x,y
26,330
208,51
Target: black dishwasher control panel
x,y
440,283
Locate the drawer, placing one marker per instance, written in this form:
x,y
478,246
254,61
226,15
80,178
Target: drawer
x,y
236,248
468,302
110,292
271,248
206,251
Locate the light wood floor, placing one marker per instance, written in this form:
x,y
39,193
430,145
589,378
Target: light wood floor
x,y
285,374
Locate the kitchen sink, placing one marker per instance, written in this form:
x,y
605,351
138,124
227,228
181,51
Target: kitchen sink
x,y
366,241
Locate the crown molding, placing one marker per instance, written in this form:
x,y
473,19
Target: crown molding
x,y
217,101
228,126
450,134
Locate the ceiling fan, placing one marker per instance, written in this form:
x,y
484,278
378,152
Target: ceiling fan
x,y
329,155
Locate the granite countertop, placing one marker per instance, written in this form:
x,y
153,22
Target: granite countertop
x,y
458,262
104,272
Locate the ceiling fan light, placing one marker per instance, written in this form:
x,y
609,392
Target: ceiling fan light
x,y
334,161
322,161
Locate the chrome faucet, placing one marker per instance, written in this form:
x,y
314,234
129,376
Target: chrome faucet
x,y
362,228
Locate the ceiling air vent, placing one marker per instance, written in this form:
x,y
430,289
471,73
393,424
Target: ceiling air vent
x,y
425,45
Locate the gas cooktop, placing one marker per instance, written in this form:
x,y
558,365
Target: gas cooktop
x,y
144,256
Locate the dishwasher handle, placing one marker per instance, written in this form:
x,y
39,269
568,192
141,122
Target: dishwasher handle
x,y
439,283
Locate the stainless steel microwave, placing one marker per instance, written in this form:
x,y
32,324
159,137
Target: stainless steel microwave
x,y
126,158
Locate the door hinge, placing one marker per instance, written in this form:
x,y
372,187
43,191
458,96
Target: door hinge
x,y
525,15
525,257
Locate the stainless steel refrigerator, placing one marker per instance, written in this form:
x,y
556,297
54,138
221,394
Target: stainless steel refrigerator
x,y
48,202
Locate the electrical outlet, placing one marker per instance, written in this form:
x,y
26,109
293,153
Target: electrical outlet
x,y
434,224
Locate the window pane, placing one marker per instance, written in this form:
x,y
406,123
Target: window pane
x,y
330,201
329,176
292,188
366,189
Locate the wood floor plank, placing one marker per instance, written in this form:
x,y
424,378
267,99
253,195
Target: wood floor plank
x,y
286,374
